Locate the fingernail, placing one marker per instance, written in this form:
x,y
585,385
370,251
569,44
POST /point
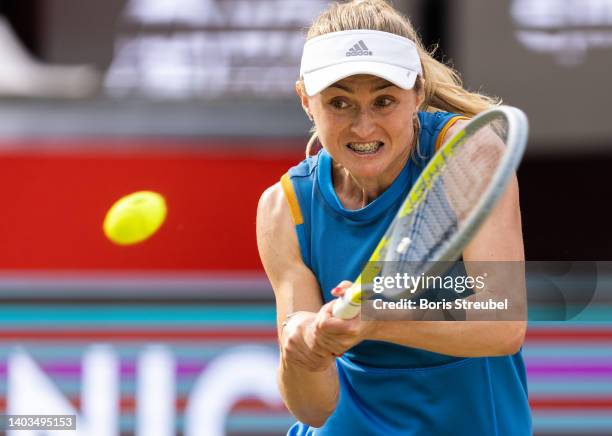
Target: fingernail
x,y
336,289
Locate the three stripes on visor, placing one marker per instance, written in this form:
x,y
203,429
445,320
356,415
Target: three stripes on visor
x,y
359,49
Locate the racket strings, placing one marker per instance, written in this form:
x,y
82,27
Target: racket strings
x,y
470,171
449,200
434,222
427,228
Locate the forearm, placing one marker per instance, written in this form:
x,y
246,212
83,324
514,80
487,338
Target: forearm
x,y
454,338
311,396
479,332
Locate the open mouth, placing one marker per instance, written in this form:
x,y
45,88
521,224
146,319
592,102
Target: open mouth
x,y
365,147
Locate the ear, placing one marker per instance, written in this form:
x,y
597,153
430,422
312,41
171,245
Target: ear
x,y
301,92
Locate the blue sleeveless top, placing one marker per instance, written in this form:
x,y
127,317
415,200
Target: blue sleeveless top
x,y
385,388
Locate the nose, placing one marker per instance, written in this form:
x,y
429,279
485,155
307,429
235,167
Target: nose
x,y
363,124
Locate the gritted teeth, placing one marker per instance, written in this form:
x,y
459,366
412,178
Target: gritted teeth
x,y
365,147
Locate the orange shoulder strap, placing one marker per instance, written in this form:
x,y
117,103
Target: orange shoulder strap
x,y
447,126
294,206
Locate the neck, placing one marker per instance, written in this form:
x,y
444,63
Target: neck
x,y
357,192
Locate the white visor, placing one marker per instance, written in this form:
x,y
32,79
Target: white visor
x,y
334,56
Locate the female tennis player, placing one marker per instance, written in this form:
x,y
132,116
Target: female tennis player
x,y
381,105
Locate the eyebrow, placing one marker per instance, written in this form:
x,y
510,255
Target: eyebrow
x,y
350,90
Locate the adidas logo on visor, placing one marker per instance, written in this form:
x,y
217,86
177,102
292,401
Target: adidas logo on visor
x,y
359,49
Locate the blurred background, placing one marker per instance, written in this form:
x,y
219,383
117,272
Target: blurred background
x,y
194,99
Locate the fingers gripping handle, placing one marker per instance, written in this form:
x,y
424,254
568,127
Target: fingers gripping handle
x,y
349,305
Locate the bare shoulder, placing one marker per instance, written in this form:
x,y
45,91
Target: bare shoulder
x,y
452,130
276,237
295,286
272,211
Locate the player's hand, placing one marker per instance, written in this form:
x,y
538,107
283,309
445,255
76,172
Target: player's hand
x,y
335,335
294,348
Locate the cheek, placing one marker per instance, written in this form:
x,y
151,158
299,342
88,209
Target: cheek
x,y
330,126
402,130
403,125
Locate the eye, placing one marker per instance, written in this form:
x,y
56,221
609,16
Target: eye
x,y
384,102
338,103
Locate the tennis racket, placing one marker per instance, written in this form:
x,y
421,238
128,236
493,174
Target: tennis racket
x,y
447,204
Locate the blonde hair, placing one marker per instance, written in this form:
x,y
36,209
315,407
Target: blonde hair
x,y
443,88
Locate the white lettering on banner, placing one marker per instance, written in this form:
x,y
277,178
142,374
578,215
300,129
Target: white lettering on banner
x,y
30,391
237,373
156,392
248,371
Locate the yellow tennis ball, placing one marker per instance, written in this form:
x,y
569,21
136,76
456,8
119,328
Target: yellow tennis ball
x,y
135,217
